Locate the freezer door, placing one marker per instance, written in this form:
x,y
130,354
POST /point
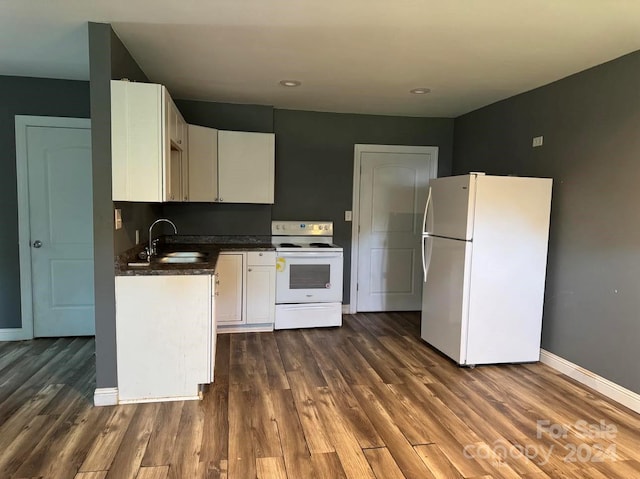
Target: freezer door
x,y
445,296
449,210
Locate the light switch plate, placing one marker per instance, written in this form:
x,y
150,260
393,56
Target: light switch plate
x,y
347,215
118,218
537,141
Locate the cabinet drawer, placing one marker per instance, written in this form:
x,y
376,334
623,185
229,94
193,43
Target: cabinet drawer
x,y
257,258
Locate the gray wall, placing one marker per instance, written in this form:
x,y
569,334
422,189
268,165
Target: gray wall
x,y
314,162
108,59
590,122
25,96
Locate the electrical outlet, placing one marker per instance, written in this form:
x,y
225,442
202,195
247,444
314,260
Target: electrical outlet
x,y
537,141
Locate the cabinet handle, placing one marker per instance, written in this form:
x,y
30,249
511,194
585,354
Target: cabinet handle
x,y
221,199
185,198
249,269
259,254
179,142
216,199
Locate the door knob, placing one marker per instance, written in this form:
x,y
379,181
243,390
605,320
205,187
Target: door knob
x,y
37,244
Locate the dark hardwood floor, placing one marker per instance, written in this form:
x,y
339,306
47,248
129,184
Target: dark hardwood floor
x,y
368,400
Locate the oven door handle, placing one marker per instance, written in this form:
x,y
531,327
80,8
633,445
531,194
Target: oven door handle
x,y
309,255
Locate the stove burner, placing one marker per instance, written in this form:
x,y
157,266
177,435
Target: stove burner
x,y
320,245
290,245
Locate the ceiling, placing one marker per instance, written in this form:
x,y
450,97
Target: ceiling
x,y
360,56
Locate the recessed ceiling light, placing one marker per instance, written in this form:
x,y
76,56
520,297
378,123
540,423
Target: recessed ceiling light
x,y
290,83
420,91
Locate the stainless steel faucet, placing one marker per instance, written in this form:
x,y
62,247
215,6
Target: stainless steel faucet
x,y
151,249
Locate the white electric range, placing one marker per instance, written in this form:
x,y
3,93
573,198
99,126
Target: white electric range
x,y
308,275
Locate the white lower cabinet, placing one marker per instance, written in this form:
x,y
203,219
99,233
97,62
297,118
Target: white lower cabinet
x,y
246,291
165,333
229,279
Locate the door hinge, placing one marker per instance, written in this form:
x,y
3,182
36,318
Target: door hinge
x,y
357,286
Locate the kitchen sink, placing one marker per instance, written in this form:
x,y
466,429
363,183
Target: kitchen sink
x,y
185,254
181,259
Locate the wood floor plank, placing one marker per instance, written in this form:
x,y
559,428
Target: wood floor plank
x,y
65,455
108,441
348,449
163,436
351,412
15,454
10,428
403,453
186,454
270,468
276,375
91,475
223,358
296,355
383,464
437,462
241,451
153,472
327,466
321,344
381,361
264,428
312,423
215,434
134,443
295,452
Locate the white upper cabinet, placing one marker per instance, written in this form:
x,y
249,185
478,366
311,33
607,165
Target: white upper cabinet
x,y
148,143
203,164
231,166
246,165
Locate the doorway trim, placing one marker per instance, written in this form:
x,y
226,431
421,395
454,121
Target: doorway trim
x,y
22,122
355,211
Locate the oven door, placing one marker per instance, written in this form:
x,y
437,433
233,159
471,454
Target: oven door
x,y
308,277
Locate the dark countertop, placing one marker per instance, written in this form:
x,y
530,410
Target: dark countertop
x,y
211,245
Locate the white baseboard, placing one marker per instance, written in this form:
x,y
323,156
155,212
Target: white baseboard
x,y
610,389
167,399
346,309
105,397
244,328
14,334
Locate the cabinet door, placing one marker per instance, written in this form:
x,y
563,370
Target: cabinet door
x,y
246,164
175,159
261,294
184,143
174,190
137,141
203,163
229,288
163,336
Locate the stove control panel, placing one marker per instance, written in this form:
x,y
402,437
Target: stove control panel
x,y
302,228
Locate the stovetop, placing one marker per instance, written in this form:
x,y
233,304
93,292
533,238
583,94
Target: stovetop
x,y
298,236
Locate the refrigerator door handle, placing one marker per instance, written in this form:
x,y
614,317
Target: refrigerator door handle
x,y
426,211
426,257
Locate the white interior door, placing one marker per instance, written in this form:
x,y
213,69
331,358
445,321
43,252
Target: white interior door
x,y
392,193
60,221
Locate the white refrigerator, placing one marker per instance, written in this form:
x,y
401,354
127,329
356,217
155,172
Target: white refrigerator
x,y
484,255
